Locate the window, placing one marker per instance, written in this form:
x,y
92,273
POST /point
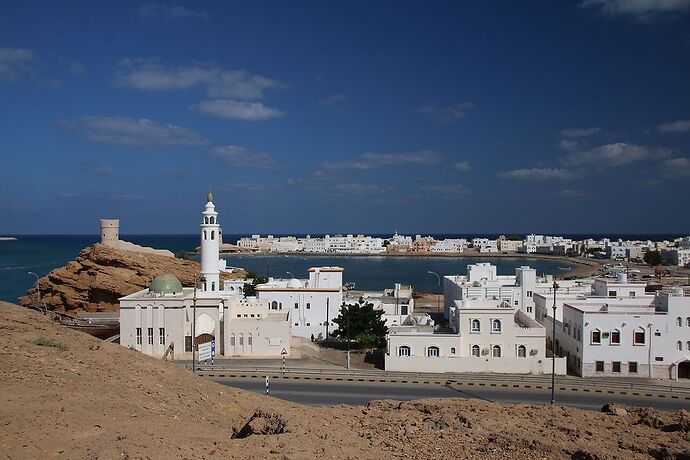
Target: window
x,y
659,358
516,302
687,321
213,234
496,325
596,337
599,366
522,351
615,337
496,351
232,340
638,337
679,345
452,349
432,352
274,305
475,351
296,305
612,293
687,345
241,340
249,340
204,234
138,336
529,309
632,293
296,324
529,294
188,343
404,351
475,326
161,335
679,321
213,285
150,335
308,306
206,220
212,220
632,367
308,324
616,367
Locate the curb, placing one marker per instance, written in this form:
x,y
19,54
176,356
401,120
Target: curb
x,y
449,382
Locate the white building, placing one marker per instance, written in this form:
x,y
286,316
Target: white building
x,y
313,303
618,330
482,282
166,313
397,305
449,245
487,336
677,257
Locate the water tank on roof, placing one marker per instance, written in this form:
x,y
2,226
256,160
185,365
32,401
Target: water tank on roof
x,y
622,277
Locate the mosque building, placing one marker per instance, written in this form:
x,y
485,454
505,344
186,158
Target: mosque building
x,y
165,313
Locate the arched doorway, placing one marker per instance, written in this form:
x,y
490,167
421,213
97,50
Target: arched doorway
x,y
203,338
684,370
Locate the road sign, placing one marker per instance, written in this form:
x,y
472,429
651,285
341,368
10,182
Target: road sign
x,y
205,351
284,352
213,349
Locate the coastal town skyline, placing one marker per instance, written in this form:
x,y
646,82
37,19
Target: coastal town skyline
x,y
445,118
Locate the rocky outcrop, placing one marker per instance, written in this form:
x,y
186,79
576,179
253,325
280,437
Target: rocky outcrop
x,y
101,274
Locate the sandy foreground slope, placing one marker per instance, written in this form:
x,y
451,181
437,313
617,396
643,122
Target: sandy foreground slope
x,y
77,397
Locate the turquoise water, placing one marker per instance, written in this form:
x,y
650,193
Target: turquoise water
x,y
40,254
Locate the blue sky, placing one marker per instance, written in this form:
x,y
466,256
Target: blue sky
x,y
430,117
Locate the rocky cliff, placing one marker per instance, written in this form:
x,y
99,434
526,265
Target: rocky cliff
x,y
101,274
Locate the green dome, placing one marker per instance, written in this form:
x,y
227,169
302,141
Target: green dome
x,y
165,284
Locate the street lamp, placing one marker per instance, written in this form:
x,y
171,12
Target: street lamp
x,y
553,346
38,287
438,299
290,274
196,282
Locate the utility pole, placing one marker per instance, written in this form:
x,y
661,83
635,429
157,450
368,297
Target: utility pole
x,y
438,303
348,335
553,347
196,281
327,318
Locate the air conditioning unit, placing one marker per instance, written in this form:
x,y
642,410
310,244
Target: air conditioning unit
x,y
485,352
533,352
605,335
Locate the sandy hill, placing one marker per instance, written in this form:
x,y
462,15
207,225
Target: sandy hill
x,y
65,394
101,274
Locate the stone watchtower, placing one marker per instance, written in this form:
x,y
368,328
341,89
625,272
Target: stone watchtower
x,y
110,232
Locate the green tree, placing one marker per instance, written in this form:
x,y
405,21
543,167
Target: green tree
x,y
360,321
652,258
249,289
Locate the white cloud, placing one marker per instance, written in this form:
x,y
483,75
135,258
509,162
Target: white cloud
x,y
370,161
219,83
573,193
132,132
462,166
243,157
539,174
331,100
579,132
675,127
170,12
641,9
677,167
612,155
14,63
450,189
239,110
448,113
569,145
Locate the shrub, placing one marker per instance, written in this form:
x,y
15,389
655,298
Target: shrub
x,y
44,342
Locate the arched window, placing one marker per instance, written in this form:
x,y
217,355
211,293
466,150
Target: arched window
x,y
496,325
213,285
206,220
404,350
249,339
274,305
475,351
432,352
679,321
596,336
639,337
242,340
679,345
204,234
522,351
687,321
213,234
475,325
615,337
687,345
452,349
212,220
496,351
232,340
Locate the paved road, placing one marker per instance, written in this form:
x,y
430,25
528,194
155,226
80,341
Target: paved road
x,y
357,393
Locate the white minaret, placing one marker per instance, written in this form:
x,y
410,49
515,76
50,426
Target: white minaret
x,y
210,244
